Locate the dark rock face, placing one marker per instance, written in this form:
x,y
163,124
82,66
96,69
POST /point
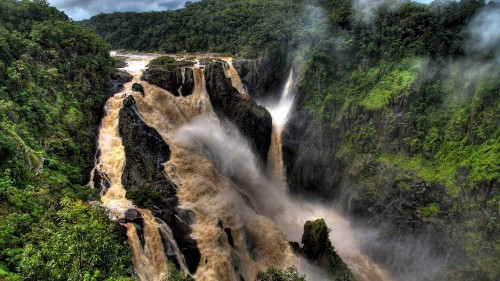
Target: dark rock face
x,y
132,215
388,198
137,87
118,78
145,152
253,120
292,137
145,180
170,79
101,181
318,249
188,86
229,235
262,76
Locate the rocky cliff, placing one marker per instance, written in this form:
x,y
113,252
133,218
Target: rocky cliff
x,y
262,77
146,182
176,80
405,164
253,120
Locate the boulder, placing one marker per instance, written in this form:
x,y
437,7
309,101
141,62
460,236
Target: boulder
x,y
117,79
168,79
319,250
132,215
137,87
171,79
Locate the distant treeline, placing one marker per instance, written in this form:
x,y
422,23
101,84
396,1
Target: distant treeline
x,y
234,26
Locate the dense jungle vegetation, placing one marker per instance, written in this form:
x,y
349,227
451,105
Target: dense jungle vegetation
x,y
54,77
404,100
239,27
407,100
402,97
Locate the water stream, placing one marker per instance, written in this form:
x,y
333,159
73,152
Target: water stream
x,y
219,180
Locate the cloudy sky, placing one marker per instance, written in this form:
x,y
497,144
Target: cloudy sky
x,y
83,9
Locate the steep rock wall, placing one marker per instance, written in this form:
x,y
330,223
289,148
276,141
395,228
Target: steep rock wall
x,y
146,182
262,77
174,80
253,120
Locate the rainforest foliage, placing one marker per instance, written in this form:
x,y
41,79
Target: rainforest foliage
x,y
236,26
407,91
54,76
414,90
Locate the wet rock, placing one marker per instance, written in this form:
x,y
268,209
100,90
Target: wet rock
x,y
132,215
145,180
229,235
186,216
296,248
145,151
253,120
137,87
262,77
319,249
120,62
187,245
101,181
188,86
168,79
171,79
118,78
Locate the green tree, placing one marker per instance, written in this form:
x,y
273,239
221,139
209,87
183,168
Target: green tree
x,y
80,246
276,274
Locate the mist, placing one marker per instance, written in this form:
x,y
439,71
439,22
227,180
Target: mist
x,y
230,153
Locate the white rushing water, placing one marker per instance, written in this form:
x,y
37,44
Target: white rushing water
x,y
219,179
148,256
280,110
345,239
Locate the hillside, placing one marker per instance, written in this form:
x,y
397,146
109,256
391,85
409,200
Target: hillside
x,y
395,121
54,77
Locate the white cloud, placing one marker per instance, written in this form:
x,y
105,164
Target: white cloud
x,y
82,9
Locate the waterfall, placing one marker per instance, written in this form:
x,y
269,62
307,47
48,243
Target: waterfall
x,y
220,206
279,112
345,239
231,73
242,219
148,255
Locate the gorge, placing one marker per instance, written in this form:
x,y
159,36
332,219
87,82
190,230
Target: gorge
x,y
221,187
251,140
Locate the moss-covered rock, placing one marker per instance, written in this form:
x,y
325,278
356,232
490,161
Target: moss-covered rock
x,y
318,249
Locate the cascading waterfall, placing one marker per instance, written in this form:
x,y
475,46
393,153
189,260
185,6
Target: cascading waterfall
x,y
279,111
344,237
242,219
215,200
148,255
235,77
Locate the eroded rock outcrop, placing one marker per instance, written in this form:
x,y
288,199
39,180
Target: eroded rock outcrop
x,y
118,78
318,249
263,76
145,180
171,79
253,120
